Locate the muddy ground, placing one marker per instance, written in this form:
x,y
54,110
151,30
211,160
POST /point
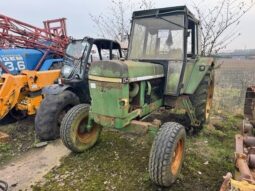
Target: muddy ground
x,y
120,161
22,138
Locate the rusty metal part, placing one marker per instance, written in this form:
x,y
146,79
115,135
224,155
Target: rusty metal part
x,y
242,165
249,141
249,105
239,143
226,183
251,160
3,137
251,150
247,128
242,160
244,150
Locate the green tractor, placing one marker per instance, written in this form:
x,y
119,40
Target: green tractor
x,y
163,69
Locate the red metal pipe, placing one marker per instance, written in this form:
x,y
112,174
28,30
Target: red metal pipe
x,y
4,68
19,34
38,66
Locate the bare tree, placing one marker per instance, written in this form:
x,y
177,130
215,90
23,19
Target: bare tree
x,y
115,24
219,23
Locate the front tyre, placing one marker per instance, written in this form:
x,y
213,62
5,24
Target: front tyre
x,y
51,112
71,133
167,154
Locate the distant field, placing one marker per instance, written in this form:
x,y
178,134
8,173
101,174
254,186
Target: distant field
x,y
232,76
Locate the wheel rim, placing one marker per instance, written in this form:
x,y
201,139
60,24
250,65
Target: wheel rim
x,y
177,157
87,136
209,100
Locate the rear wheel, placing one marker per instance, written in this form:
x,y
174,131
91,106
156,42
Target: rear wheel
x,y
167,154
51,112
203,97
73,129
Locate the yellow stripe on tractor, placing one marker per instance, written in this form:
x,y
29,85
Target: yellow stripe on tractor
x,y
22,92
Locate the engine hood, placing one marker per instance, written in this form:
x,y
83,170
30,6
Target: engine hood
x,y
129,70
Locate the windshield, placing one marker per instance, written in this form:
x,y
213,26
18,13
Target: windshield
x,y
157,38
73,64
76,48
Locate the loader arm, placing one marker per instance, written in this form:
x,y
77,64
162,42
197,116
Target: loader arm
x,y
15,90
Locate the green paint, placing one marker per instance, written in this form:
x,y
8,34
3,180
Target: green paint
x,y
126,69
191,112
193,80
111,105
107,98
142,93
118,123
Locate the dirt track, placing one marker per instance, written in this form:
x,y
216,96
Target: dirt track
x,y
24,171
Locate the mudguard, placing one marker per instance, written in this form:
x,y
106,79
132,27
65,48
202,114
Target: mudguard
x,y
55,89
199,71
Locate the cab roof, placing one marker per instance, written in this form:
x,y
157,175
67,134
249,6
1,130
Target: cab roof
x,y
165,12
102,43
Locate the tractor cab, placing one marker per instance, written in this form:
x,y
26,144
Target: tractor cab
x,y
167,36
81,53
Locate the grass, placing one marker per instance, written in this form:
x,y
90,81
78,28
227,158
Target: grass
x,y
120,162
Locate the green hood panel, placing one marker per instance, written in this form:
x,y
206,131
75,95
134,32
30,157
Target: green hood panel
x,y
125,69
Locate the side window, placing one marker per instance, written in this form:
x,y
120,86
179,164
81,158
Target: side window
x,y
189,42
115,54
192,39
94,54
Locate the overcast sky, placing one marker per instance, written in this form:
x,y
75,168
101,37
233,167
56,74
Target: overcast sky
x,y
79,23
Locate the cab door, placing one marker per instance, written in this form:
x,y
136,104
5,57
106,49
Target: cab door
x,y
192,47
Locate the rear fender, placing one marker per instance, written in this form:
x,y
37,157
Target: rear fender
x,y
200,69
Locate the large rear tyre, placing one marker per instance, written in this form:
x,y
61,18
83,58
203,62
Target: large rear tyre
x,y
51,112
203,97
73,129
167,154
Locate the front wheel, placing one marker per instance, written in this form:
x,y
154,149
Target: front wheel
x,y
51,112
167,154
71,130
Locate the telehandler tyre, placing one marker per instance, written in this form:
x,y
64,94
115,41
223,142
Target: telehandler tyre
x,y
51,112
203,97
167,154
70,131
